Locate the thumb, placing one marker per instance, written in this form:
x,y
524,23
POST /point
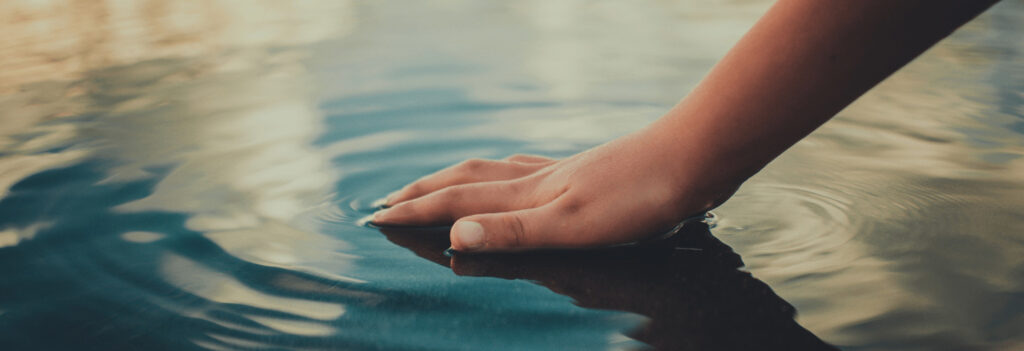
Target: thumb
x,y
505,231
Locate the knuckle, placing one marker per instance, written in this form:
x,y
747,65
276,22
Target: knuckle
x,y
473,164
522,192
451,194
517,230
518,157
515,187
414,188
571,206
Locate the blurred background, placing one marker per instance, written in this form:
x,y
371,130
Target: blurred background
x,y
191,174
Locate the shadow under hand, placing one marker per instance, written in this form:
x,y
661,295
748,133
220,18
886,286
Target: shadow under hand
x,y
689,286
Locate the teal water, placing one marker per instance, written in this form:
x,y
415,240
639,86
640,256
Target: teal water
x,y
185,176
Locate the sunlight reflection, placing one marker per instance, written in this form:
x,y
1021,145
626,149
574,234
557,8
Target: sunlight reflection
x,y
214,92
230,341
294,327
13,236
223,288
234,124
142,237
278,245
580,46
857,233
62,39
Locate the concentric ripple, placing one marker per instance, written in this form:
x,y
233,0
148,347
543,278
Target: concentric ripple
x,y
180,178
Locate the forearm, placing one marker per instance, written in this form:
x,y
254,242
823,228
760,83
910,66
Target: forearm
x,y
802,63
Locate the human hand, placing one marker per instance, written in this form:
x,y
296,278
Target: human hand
x,y
627,190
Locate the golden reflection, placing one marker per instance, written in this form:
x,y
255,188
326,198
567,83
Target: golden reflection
x,y
236,342
893,175
278,245
15,167
63,39
13,236
216,92
189,83
91,51
581,50
219,287
142,237
244,167
294,327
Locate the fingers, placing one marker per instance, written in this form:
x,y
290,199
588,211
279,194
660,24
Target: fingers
x,y
449,204
547,226
529,158
469,171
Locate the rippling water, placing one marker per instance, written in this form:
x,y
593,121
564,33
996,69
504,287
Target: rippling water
x,y
186,175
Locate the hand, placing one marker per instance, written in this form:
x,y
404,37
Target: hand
x,y
627,190
774,87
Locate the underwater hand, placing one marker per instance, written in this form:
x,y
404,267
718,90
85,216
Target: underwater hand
x,y
626,190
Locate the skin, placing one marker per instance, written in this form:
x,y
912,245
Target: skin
x,y
803,62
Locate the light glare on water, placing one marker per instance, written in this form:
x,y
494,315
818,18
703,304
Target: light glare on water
x,y
190,175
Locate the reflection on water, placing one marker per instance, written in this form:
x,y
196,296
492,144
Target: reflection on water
x,y
692,291
188,175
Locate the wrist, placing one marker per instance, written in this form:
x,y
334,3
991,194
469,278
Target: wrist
x,y
697,176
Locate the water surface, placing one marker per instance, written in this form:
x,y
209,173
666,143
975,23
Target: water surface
x,y
186,176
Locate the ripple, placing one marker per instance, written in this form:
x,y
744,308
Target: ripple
x,y
337,212
796,218
203,195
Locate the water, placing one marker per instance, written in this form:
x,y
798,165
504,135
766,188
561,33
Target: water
x,y
179,176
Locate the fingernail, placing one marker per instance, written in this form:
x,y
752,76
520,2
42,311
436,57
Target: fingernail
x,y
469,234
390,199
380,215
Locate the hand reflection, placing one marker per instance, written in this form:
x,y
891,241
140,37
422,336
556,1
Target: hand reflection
x,y
688,285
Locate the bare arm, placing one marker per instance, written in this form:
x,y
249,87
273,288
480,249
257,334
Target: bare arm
x,y
803,62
